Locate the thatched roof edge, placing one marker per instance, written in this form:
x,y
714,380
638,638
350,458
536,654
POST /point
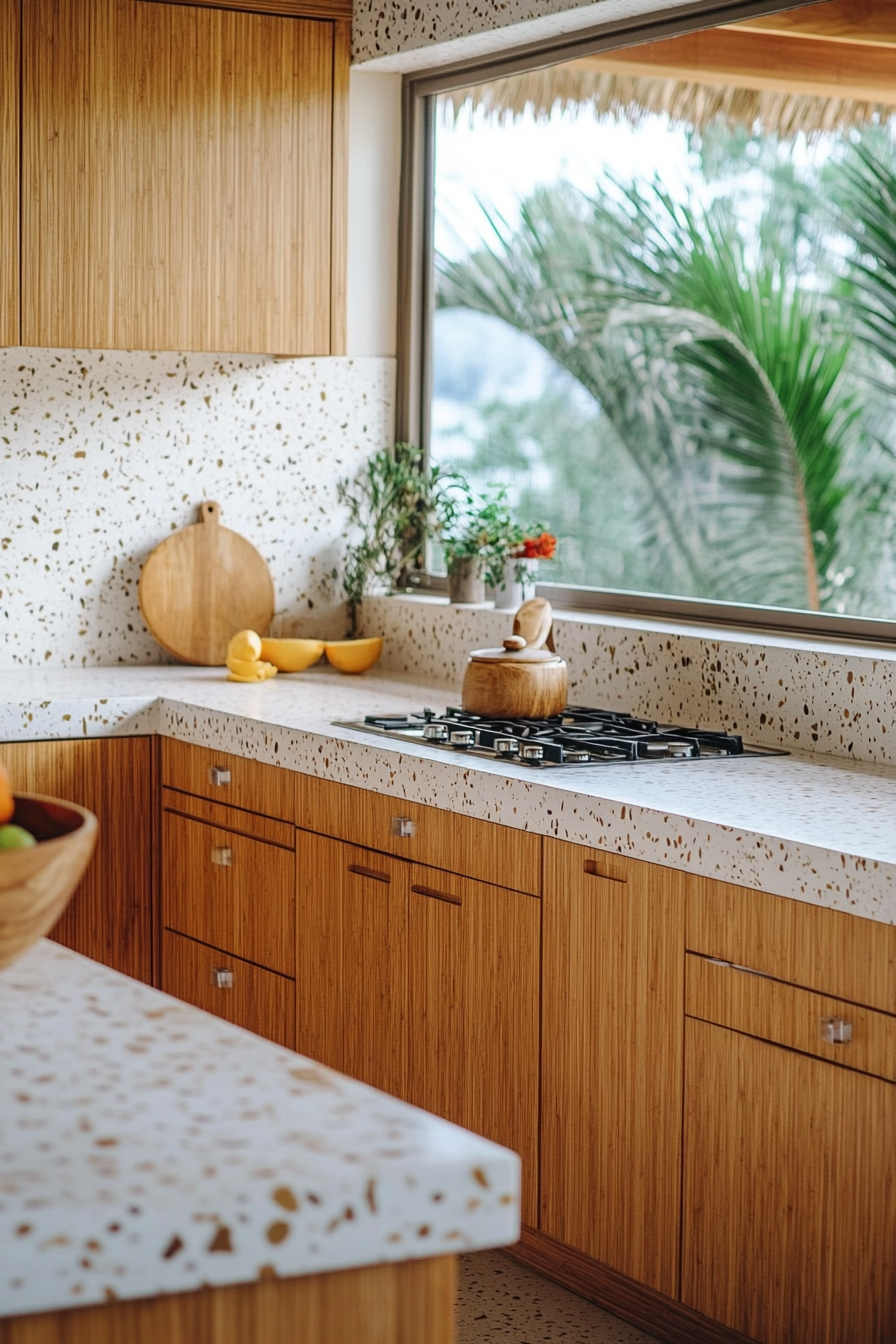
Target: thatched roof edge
x,y
631,98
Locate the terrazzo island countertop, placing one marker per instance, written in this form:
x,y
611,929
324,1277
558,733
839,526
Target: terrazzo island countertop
x,y
149,1148
813,827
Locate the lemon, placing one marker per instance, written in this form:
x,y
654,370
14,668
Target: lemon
x,y
246,646
239,669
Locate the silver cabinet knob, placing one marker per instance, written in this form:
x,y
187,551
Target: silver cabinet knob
x,y
403,827
218,776
222,856
222,978
836,1030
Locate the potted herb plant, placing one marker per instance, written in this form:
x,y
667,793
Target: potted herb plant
x,y
394,503
478,532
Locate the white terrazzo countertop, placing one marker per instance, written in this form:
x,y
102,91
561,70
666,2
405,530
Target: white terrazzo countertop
x,y
149,1148
813,827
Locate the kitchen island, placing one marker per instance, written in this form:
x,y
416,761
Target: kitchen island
x,y
148,1149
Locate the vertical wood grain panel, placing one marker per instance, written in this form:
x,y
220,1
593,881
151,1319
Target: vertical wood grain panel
x,y
789,1215
351,961
299,9
342,53
110,916
375,982
441,839
474,972
10,57
757,1005
408,1303
319,950
828,950
177,178
254,785
258,1000
246,906
613,991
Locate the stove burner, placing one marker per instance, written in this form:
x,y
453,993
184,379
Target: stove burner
x,y
578,736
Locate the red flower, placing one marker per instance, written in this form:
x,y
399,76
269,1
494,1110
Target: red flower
x,y
537,548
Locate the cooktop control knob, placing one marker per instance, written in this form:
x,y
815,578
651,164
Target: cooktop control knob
x,y
463,737
435,732
507,746
532,751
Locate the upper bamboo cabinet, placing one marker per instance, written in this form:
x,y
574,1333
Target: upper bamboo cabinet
x,y
182,176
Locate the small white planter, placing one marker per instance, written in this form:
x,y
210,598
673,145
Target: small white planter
x,y
517,584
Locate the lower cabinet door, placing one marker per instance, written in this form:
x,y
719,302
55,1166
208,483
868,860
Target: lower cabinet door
x,y
473,1011
789,1217
261,1001
612,1055
351,960
109,918
227,889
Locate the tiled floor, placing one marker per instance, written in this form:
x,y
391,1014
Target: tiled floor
x,y
502,1301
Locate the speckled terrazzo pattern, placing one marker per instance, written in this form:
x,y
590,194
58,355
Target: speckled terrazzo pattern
x,y
501,1302
838,699
146,1147
815,828
104,454
398,36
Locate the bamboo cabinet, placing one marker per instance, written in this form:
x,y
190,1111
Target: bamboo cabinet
x,y
789,1219
424,984
110,916
474,967
612,1041
10,16
182,178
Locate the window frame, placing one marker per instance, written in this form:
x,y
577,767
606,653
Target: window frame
x,y
415,294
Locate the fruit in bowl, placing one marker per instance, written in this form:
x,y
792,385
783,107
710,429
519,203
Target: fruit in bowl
x,y
353,655
48,845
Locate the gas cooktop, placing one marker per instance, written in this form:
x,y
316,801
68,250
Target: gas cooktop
x,y
578,736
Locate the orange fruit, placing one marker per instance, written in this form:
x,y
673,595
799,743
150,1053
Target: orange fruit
x,y
7,802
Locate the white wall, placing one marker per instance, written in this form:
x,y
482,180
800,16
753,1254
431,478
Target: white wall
x,y
373,185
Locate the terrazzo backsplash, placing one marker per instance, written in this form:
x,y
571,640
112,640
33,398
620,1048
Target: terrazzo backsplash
x,y
104,454
800,695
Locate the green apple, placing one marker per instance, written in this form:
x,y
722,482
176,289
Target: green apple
x,y
16,837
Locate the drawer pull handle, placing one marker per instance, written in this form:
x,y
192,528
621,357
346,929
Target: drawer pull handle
x,y
218,776
403,827
222,978
592,868
369,872
222,856
438,895
836,1030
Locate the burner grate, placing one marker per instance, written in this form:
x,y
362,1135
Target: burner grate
x,y
579,736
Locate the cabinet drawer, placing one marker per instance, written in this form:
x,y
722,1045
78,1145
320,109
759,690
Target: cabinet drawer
x,y
225,778
230,891
754,1004
241,993
428,835
838,954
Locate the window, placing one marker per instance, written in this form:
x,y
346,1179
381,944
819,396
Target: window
x,y
662,310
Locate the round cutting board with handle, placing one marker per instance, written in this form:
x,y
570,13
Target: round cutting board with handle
x,y
202,585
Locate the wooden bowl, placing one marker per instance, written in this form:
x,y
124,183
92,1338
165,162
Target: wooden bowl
x,y
353,655
291,655
36,884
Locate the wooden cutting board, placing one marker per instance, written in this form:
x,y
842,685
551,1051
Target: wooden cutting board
x,y
202,585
